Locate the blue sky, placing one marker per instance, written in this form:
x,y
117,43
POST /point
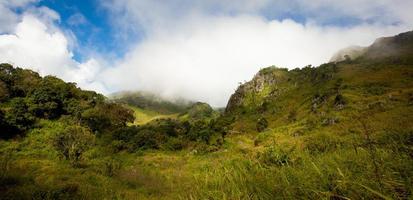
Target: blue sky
x,y
89,22
194,49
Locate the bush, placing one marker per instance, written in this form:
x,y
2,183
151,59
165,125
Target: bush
x,y
200,131
262,124
48,97
19,116
174,144
339,101
274,156
73,142
107,117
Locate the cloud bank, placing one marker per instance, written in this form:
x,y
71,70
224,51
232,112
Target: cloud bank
x,y
35,42
195,49
199,53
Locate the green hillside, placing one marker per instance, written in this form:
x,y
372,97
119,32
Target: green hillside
x,y
342,130
151,102
143,116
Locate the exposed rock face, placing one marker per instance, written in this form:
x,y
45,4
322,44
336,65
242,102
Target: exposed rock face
x,y
261,79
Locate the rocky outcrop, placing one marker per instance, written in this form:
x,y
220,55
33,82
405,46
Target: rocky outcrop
x,y
266,76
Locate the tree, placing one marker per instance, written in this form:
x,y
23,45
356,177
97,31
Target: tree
x,y
19,116
107,117
49,96
73,142
4,92
24,82
7,131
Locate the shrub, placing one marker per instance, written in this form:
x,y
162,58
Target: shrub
x,y
107,117
274,156
262,124
174,144
73,142
19,116
339,101
4,92
7,131
200,131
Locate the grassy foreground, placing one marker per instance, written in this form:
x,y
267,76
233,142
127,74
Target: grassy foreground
x,y
349,167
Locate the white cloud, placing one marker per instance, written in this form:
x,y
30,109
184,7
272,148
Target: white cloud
x,y
194,54
77,19
381,11
207,61
38,45
33,46
8,17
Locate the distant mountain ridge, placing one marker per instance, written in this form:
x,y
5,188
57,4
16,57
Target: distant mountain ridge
x,y
150,101
398,48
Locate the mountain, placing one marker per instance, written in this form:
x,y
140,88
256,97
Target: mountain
x,y
148,106
344,125
152,102
316,98
199,111
351,52
397,48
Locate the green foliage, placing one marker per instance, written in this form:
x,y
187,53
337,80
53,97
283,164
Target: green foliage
x,y
262,124
149,101
137,138
73,142
274,156
174,144
28,97
200,111
4,91
16,82
48,98
200,131
107,117
19,116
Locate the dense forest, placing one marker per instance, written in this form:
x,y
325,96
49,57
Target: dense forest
x,y
342,130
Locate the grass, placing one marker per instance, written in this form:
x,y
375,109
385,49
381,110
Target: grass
x,y
236,171
143,116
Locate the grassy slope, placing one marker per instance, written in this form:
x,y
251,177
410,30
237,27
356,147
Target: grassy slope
x,y
143,116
